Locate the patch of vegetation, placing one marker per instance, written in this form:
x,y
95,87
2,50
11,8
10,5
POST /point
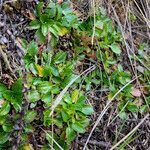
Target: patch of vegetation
x,y
55,19
50,71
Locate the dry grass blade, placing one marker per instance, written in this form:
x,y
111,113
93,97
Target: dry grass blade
x,y
131,132
119,113
143,16
93,6
4,56
128,48
104,111
60,96
53,140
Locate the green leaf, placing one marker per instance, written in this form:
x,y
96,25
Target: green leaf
x,y
17,86
24,43
85,122
33,96
71,19
115,48
55,90
46,98
59,12
132,107
47,120
8,95
95,81
7,127
3,119
143,109
29,128
60,57
81,100
44,29
56,80
99,24
123,115
17,95
75,95
58,122
40,70
46,70
30,116
32,49
16,105
61,30
54,71
70,135
67,98
28,60
65,116
4,137
5,109
53,31
87,110
78,127
51,12
3,88
44,18
35,24
44,87
40,36
38,8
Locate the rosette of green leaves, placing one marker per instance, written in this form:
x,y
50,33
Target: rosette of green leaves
x,y
55,19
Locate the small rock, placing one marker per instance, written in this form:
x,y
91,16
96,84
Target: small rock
x,y
3,40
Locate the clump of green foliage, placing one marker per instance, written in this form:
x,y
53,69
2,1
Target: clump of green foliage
x,y
12,99
55,19
47,79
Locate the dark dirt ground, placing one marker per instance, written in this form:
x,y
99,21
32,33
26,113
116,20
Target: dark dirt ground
x,y
13,22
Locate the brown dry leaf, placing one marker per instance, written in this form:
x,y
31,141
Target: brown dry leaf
x,y
87,39
49,37
1,102
60,1
30,15
136,92
16,4
8,9
19,44
92,55
40,49
139,102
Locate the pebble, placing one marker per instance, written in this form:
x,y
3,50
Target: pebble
x,y
3,40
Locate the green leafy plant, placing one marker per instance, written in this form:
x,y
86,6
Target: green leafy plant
x,y
47,76
106,35
55,19
71,115
10,99
50,70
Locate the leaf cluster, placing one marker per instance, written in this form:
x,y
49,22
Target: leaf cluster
x,y
55,19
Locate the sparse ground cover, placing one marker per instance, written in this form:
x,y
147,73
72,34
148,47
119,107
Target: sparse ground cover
x,y
74,75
